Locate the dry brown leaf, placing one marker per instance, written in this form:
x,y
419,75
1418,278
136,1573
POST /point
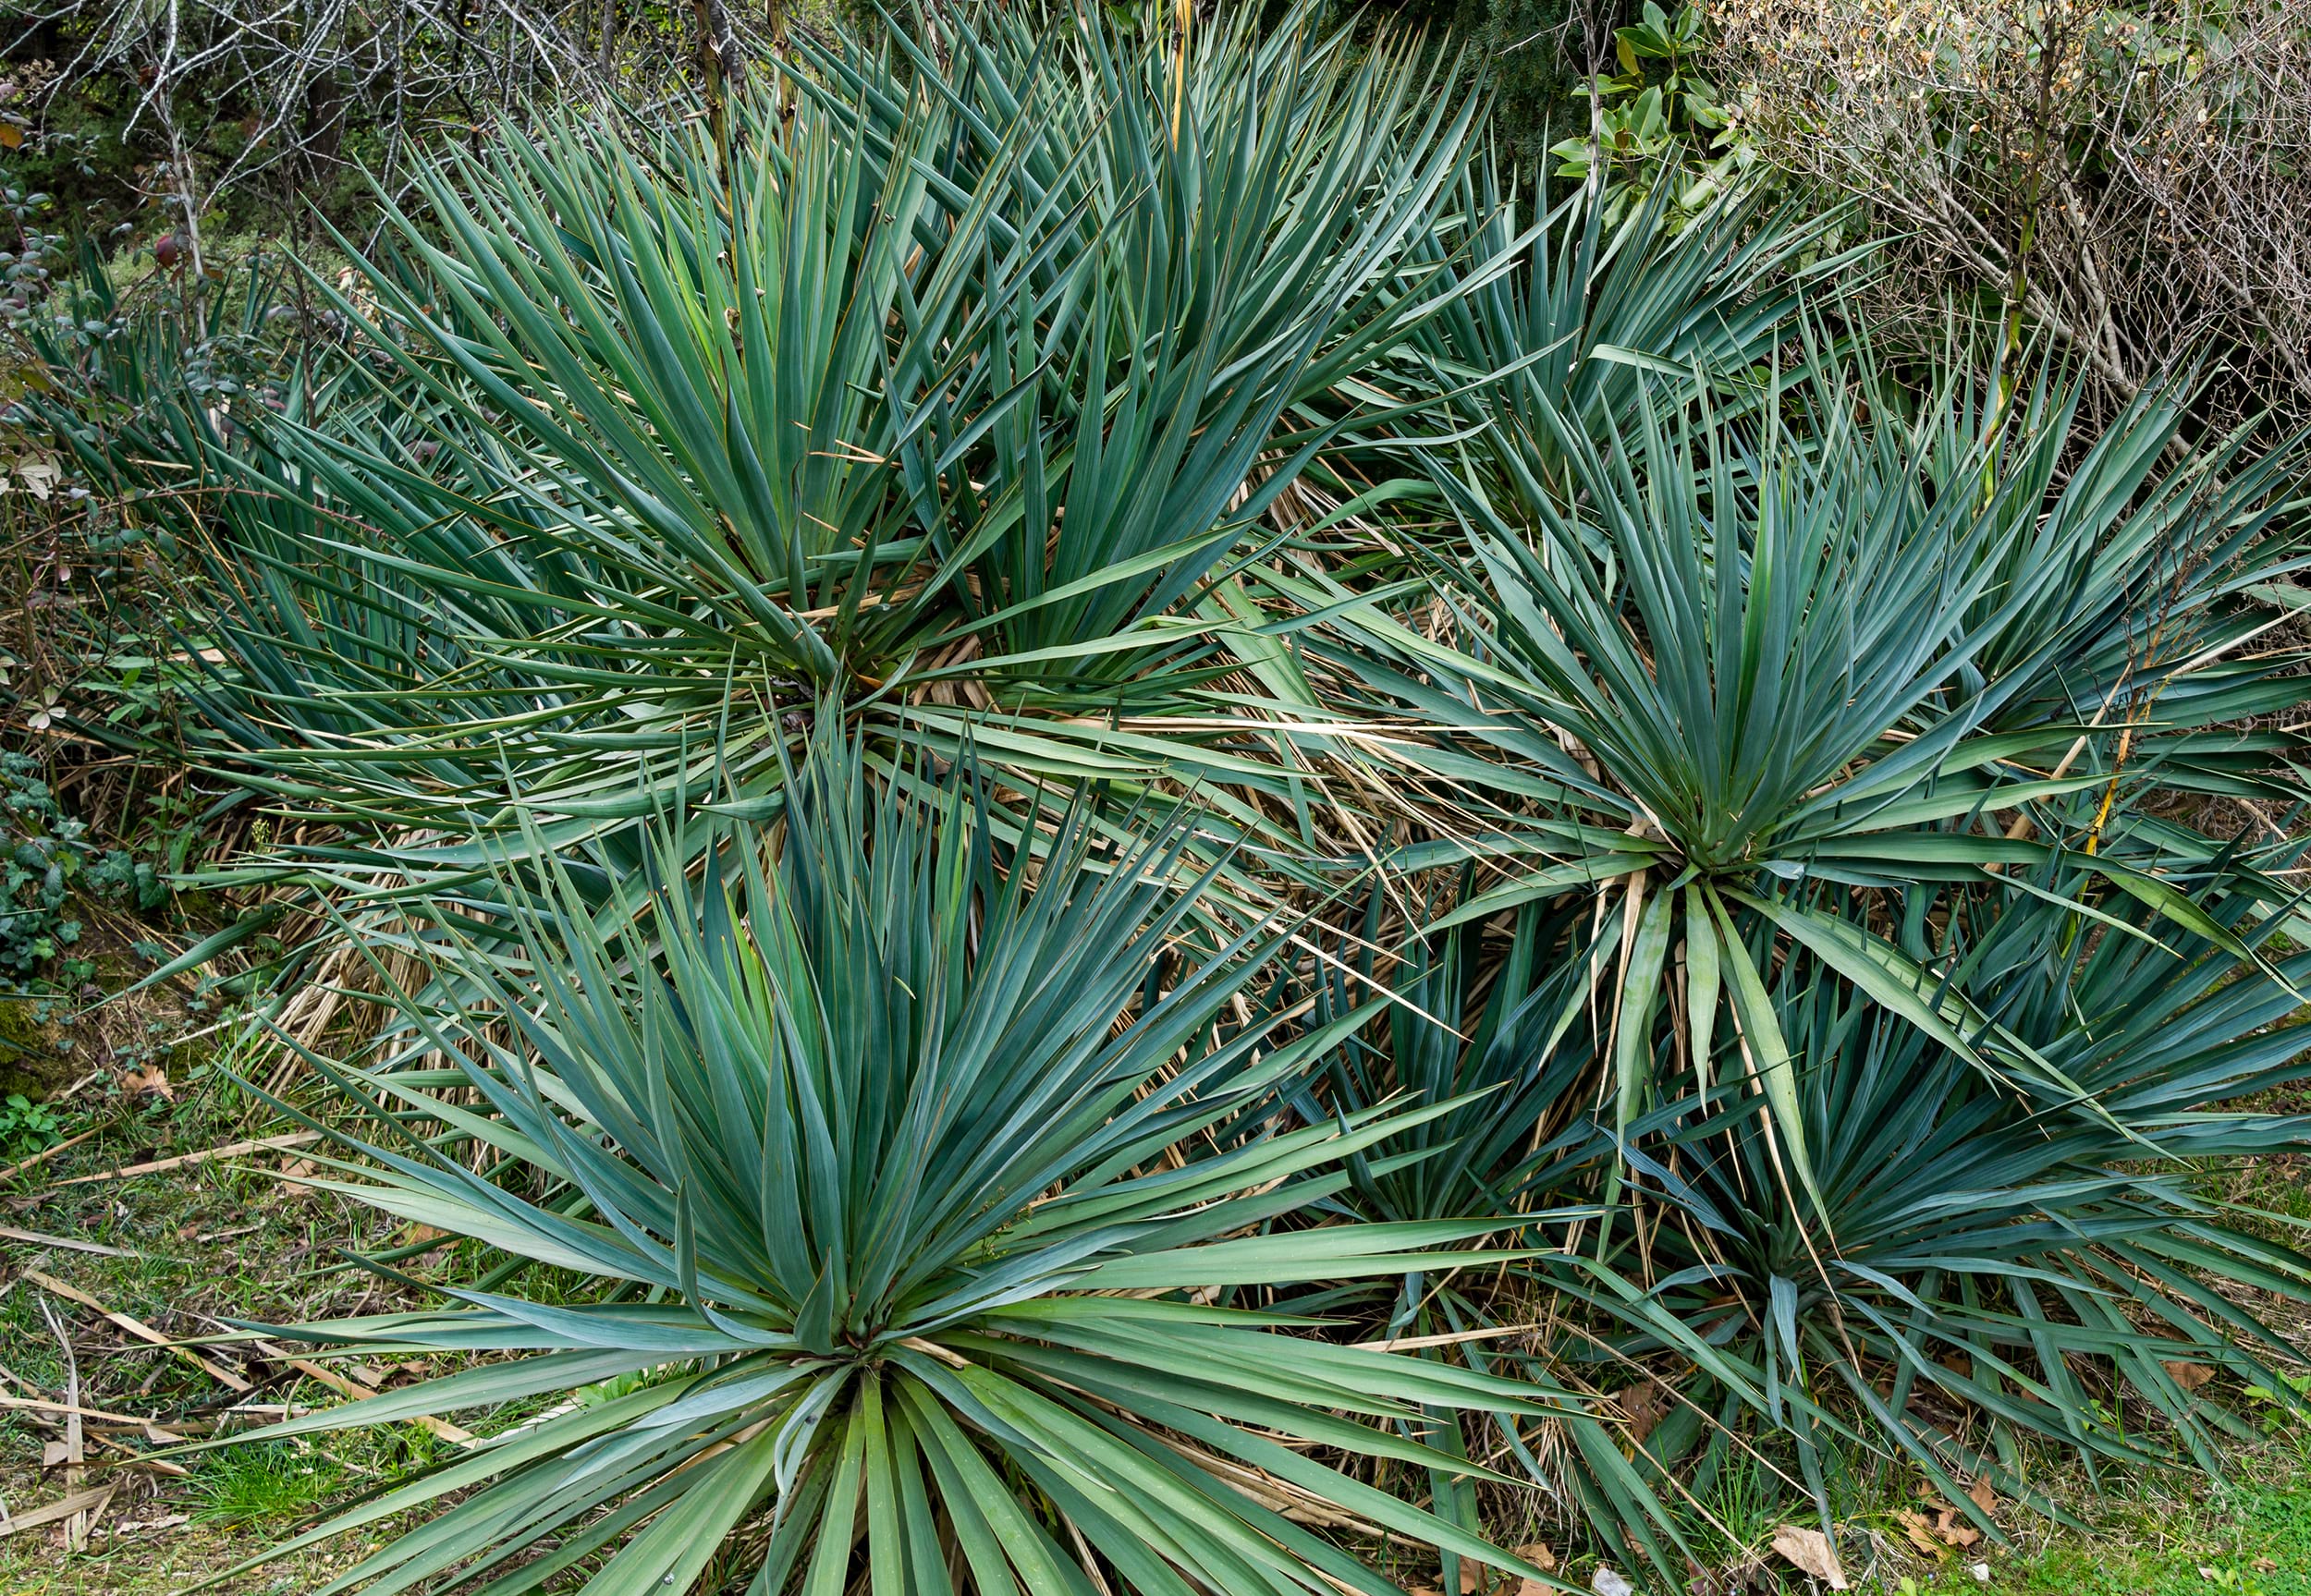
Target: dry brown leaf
x,y
418,1235
1920,1529
1643,1407
1540,1556
1811,1552
1952,1532
78,1502
290,1173
1983,1496
1473,1579
1946,1525
151,1078
2190,1376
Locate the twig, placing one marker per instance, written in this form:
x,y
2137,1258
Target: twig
x,y
129,1420
232,1149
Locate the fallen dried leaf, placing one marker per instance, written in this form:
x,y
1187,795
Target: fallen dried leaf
x,y
1952,1532
151,1078
2190,1376
1643,1407
138,1329
135,1526
291,1186
79,1501
70,1244
1920,1529
1811,1552
1540,1556
1946,1525
1982,1495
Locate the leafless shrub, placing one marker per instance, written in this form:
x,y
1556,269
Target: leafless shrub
x,y
296,74
2137,183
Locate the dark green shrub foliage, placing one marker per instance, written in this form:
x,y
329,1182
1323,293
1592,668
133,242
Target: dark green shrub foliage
x,y
48,857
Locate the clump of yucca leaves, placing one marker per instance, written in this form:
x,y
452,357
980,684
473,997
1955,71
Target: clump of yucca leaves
x,y
940,1213
1825,831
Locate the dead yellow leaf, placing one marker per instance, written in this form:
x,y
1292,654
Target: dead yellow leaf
x,y
1810,1552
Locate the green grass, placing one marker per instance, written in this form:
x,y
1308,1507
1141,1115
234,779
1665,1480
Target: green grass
x,y
263,1486
2254,1540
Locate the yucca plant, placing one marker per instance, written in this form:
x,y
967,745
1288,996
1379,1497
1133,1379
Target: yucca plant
x,y
1564,340
1779,683
1840,638
1980,1274
1555,326
1499,1034
938,1213
1986,1275
940,396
